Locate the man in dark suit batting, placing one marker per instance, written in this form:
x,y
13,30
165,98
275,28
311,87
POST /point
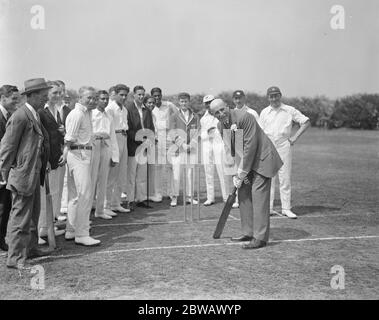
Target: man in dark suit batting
x,y
257,162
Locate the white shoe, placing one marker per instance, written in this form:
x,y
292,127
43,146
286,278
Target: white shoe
x,y
236,205
57,233
110,213
69,235
275,213
194,201
103,216
208,203
157,198
289,214
120,209
62,218
41,241
174,201
87,241
63,210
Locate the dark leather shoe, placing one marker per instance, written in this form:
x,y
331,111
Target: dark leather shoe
x,y
36,253
20,266
143,204
130,206
254,244
242,238
3,246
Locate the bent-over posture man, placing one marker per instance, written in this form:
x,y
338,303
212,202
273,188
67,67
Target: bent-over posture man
x,y
258,161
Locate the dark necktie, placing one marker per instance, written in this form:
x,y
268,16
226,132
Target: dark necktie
x,y
59,120
233,144
38,119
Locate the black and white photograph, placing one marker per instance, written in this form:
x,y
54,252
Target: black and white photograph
x,y
212,152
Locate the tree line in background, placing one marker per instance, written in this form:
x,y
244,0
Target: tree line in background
x,y
359,111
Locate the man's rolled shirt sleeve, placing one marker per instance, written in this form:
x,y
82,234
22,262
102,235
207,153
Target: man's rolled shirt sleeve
x,y
298,117
72,128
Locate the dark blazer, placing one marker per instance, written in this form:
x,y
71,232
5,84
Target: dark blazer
x,y
191,129
24,152
56,139
256,152
66,110
3,124
134,124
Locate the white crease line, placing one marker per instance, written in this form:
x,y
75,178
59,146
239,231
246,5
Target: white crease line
x,y
204,245
212,220
137,223
100,235
233,217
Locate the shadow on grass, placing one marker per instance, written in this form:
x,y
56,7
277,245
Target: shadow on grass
x,y
288,233
305,210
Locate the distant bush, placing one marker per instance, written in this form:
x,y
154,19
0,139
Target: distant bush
x,y
356,111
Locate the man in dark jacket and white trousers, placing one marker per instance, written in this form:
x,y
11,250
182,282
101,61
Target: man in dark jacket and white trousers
x,y
257,161
23,158
52,121
139,117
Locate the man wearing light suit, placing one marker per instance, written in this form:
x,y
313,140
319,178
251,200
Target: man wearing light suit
x,y
23,159
258,161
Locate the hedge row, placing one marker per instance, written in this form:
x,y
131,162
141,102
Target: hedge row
x,y
356,111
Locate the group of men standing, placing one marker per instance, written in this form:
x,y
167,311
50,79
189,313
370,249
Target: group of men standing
x,y
98,150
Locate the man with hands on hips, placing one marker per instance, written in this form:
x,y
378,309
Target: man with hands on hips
x,y
276,121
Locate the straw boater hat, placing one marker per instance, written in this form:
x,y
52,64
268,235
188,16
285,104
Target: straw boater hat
x,y
35,85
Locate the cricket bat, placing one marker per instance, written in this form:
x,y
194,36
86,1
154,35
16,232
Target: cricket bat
x,y
49,215
225,214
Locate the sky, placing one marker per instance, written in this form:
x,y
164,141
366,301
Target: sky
x,y
198,46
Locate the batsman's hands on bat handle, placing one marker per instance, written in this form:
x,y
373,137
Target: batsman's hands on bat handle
x,y
291,141
237,182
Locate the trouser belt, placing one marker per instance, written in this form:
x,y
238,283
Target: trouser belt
x,y
80,148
